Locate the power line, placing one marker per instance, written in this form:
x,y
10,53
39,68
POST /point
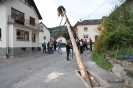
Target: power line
x,y
97,8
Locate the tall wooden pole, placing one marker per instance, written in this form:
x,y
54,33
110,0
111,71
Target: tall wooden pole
x,y
81,66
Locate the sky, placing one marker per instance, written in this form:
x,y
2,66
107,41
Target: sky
x,y
75,10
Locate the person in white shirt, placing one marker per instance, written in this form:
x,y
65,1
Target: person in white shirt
x,y
81,47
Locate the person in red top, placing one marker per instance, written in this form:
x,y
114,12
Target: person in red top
x,y
90,42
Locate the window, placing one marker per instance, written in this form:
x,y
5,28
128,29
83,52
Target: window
x,y
23,49
85,36
33,48
32,21
22,35
44,37
0,33
26,2
85,29
17,15
96,37
33,38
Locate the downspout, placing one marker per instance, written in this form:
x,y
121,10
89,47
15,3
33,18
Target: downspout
x,y
7,37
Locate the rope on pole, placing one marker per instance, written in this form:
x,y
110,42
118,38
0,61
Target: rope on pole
x,y
59,31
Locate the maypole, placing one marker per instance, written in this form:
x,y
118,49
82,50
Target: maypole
x,y
62,12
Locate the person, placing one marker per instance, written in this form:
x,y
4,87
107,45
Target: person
x,y
78,44
85,44
44,47
81,47
59,47
50,47
68,47
82,44
55,44
90,42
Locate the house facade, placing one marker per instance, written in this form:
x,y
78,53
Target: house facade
x,y
62,39
19,27
44,36
86,29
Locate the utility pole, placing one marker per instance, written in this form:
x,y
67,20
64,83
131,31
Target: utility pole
x,y
80,63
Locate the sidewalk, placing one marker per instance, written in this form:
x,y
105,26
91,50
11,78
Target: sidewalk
x,y
63,74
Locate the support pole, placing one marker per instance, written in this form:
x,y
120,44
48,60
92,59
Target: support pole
x,y
80,63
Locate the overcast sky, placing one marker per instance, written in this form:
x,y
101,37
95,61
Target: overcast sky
x,y
75,10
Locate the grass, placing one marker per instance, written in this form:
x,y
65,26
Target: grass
x,y
101,62
123,51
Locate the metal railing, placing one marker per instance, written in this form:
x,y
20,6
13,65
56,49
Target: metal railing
x,y
25,22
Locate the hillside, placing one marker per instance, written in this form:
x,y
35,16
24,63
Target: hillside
x,y
116,35
64,31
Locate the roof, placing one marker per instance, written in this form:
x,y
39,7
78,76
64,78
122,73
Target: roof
x,y
90,22
36,9
45,26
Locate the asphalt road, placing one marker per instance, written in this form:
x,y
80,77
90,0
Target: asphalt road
x,y
14,71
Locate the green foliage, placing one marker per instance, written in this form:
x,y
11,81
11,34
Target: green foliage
x,y
123,51
55,30
115,30
101,62
66,35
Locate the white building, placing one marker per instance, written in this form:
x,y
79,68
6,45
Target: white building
x,y
86,29
62,39
19,27
44,36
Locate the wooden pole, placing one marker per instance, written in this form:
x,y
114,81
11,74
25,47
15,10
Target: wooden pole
x,y
80,63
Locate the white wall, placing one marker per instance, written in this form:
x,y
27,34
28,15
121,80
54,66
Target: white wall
x,y
13,42
91,32
61,38
46,33
28,11
36,44
3,24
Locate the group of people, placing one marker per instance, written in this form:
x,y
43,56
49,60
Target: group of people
x,y
52,45
82,44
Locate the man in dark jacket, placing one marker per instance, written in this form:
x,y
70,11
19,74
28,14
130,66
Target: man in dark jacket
x,y
68,50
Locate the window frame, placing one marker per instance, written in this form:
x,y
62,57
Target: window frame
x,y
85,28
33,37
25,2
96,37
22,35
19,17
32,19
84,36
0,34
44,37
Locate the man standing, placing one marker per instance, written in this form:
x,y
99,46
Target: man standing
x,y
90,42
68,50
44,47
55,44
85,44
50,47
59,47
81,47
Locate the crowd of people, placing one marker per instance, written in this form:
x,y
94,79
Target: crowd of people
x,y
51,46
83,44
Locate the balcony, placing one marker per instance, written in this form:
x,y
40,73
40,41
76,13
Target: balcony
x,y
25,22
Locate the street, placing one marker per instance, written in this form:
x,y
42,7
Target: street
x,y
51,71
14,71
